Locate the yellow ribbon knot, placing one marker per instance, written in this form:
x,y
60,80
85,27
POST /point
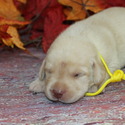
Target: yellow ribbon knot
x,y
117,76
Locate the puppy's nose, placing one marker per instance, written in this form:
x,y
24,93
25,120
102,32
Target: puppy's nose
x,y
58,93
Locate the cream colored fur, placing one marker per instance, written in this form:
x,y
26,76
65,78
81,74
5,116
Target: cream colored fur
x,y
72,65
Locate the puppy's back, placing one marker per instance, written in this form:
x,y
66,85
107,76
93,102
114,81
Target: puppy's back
x,y
96,29
114,16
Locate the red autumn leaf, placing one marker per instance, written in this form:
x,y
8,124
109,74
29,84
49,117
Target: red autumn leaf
x,y
112,3
53,30
4,35
48,22
3,32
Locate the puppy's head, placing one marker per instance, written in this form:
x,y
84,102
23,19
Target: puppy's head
x,y
68,79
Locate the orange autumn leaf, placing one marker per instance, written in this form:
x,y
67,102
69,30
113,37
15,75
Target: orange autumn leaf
x,y
7,29
10,18
14,40
79,8
22,1
4,21
8,10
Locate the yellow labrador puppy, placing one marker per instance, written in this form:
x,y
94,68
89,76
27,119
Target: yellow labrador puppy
x,y
72,65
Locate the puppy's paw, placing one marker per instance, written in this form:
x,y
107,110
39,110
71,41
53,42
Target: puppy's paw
x,y
36,86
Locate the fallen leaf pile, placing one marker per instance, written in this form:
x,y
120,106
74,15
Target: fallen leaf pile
x,y
10,20
46,18
50,15
79,8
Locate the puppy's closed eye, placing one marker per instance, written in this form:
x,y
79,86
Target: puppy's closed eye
x,y
77,74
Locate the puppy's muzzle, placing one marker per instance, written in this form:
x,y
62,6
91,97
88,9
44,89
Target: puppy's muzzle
x,y
58,94
59,90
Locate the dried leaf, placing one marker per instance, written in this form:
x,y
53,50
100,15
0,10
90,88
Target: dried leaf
x,y
3,32
14,40
5,36
9,34
48,17
23,1
8,10
79,8
8,42
114,3
53,25
4,21
10,18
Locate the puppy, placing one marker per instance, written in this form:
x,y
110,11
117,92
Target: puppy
x,y
72,65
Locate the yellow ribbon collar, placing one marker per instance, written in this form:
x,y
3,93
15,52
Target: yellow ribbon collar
x,y
117,76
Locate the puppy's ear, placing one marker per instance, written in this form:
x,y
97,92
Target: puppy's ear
x,y
38,85
98,71
41,71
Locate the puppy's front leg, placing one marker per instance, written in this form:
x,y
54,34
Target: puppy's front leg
x,y
37,86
